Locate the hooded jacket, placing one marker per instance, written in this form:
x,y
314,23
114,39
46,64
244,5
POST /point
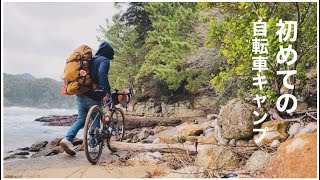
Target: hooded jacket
x,y
99,69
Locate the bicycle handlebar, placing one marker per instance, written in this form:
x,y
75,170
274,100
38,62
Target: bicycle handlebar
x,y
116,93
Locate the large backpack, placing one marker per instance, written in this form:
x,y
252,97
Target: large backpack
x,y
77,78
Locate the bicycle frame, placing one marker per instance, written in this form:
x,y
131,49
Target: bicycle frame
x,y
111,123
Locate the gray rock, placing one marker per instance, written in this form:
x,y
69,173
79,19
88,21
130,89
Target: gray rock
x,y
294,129
15,157
144,133
251,143
275,143
187,172
150,139
53,143
216,157
24,149
208,132
38,146
241,143
22,153
155,155
56,120
232,143
128,136
134,139
146,157
49,152
236,120
310,127
258,161
217,133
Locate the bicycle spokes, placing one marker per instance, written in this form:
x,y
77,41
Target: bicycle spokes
x,y
94,135
117,126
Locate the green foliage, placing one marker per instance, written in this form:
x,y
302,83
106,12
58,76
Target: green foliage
x,y
235,33
152,42
170,42
156,41
127,59
137,16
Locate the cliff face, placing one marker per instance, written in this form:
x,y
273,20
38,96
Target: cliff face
x,y
26,90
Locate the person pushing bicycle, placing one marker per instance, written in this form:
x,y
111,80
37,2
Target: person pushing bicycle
x,y
99,69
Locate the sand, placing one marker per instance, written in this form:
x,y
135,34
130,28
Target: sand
x,y
65,166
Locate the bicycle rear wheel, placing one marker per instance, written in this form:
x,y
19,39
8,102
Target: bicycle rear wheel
x,y
117,126
93,138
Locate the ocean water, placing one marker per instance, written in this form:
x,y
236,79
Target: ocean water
x,y
20,130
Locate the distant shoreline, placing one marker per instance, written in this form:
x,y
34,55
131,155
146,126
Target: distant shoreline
x,y
33,107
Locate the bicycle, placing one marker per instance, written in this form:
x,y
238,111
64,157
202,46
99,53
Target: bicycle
x,y
100,128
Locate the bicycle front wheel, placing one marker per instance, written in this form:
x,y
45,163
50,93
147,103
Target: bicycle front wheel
x,y
93,134
117,126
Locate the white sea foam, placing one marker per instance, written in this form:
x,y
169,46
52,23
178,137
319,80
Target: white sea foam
x,y
20,129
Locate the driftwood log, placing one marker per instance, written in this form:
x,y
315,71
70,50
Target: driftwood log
x,y
164,148
171,148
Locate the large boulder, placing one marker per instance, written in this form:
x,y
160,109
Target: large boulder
x,y
216,157
277,130
236,120
295,158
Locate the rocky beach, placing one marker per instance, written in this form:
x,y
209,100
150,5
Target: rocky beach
x,y
179,140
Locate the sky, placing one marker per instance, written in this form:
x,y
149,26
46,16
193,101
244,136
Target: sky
x,y
39,37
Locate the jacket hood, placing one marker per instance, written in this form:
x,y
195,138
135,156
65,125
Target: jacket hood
x,y
105,50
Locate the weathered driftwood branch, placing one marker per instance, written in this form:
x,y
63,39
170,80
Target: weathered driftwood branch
x,y
308,114
304,112
172,148
275,115
165,148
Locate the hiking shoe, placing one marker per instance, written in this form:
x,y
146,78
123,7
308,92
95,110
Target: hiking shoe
x,y
67,146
